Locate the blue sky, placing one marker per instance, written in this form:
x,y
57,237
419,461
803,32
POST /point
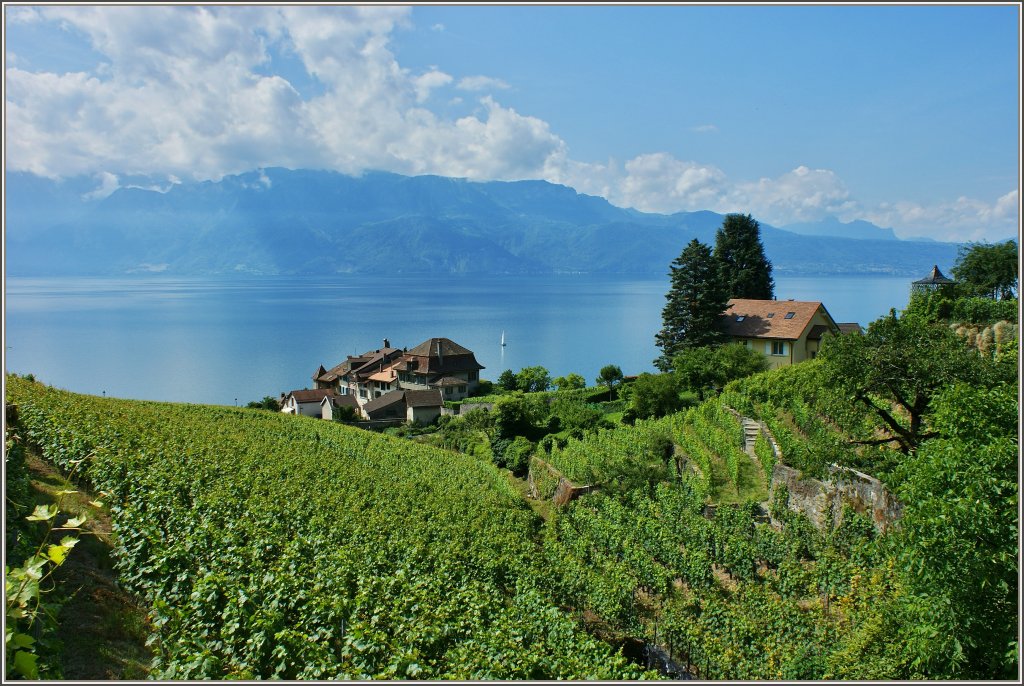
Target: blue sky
x,y
907,116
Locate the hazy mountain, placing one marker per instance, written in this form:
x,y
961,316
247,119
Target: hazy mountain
x,y
280,221
830,226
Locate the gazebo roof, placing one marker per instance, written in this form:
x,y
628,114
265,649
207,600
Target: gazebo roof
x,y
935,278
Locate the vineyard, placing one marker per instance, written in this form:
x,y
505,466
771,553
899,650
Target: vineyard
x,y
270,547
280,547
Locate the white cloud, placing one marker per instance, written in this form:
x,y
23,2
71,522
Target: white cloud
x,y
108,184
188,92
481,83
429,81
964,219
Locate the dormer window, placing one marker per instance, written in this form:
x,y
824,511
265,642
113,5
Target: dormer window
x,y
790,315
740,317
770,315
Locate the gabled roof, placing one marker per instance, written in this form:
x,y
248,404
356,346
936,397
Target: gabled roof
x,y
777,319
313,396
340,401
850,327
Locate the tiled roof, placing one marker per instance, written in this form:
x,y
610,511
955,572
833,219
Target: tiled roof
x,y
383,401
313,396
850,327
428,348
423,399
745,318
448,381
341,401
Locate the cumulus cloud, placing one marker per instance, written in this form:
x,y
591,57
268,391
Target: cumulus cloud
x,y
194,92
191,92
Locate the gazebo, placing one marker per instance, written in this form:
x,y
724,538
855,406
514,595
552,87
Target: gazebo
x,y
933,281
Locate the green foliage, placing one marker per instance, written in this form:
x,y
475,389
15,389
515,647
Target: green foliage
x,y
984,310
576,417
711,368
959,535
348,554
30,615
609,375
508,381
533,379
570,382
900,362
692,317
267,403
344,414
746,272
654,395
988,270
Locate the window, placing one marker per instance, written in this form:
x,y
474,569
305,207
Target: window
x,y
473,376
778,348
462,389
790,315
770,315
740,318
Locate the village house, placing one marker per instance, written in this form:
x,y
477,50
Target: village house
x,y
331,403
413,406
304,402
438,369
786,331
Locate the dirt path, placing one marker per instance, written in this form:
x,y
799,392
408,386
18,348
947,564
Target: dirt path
x,y
102,628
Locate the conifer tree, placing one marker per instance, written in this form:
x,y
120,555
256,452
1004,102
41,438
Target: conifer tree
x,y
692,317
746,271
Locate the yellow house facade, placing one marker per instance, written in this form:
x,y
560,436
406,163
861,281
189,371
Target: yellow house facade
x,y
786,331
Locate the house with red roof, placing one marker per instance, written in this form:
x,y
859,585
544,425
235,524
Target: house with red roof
x,y
786,331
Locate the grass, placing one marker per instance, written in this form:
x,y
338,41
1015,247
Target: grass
x,y
751,485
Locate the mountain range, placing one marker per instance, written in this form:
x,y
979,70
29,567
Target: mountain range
x,y
281,221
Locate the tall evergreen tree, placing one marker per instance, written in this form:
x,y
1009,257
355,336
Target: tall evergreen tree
x,y
746,271
692,317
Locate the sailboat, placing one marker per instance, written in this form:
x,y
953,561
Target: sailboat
x,y
502,339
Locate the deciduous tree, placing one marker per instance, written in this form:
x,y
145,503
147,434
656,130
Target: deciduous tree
x,y
987,270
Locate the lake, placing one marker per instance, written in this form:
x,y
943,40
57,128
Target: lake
x,y
219,341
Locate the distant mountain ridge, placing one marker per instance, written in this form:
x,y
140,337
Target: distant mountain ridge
x,y
280,221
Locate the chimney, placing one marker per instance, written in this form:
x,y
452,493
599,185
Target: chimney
x,y
439,358
387,343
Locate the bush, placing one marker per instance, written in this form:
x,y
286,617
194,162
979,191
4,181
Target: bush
x,y
984,310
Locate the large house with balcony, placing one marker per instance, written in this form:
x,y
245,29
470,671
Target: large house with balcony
x,y
786,331
436,364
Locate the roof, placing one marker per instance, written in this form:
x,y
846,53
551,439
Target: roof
x,y
314,396
779,319
341,401
428,348
383,401
448,381
423,399
935,277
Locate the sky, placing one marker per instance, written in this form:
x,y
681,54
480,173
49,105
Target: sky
x,y
905,116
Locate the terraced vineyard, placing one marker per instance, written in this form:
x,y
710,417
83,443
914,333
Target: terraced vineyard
x,y
277,547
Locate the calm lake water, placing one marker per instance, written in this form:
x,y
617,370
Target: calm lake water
x,y
231,341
